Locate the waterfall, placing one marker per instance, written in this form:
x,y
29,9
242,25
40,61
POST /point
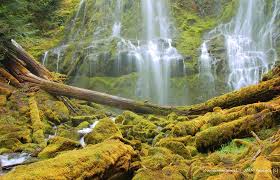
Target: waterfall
x,y
103,41
205,73
249,41
154,55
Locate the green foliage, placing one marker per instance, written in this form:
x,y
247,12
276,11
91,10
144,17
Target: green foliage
x,y
233,148
37,25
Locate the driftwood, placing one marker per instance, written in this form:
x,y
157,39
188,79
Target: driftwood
x,y
26,69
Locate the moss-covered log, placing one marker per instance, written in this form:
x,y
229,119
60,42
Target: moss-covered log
x,y
100,161
37,124
219,116
214,137
261,92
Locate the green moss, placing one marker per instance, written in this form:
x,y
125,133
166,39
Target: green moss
x,y
83,125
215,136
176,147
31,148
192,25
161,163
77,120
37,124
103,130
57,145
5,150
56,111
67,131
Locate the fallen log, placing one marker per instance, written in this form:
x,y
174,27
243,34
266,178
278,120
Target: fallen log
x,y
37,74
195,125
262,92
101,161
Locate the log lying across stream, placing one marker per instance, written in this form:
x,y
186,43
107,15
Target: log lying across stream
x,y
23,68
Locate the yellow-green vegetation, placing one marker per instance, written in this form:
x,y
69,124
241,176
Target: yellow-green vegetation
x,y
3,100
161,163
167,147
51,108
100,161
56,145
138,127
262,167
105,129
240,127
37,125
178,146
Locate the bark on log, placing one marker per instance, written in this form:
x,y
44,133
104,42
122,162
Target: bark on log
x,y
5,89
101,161
9,77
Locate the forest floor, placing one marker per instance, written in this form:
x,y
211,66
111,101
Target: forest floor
x,y
76,139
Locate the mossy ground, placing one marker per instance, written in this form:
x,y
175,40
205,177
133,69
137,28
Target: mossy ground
x,y
172,146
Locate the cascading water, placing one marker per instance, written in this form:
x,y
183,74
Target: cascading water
x,y
249,41
205,71
115,46
154,54
116,31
